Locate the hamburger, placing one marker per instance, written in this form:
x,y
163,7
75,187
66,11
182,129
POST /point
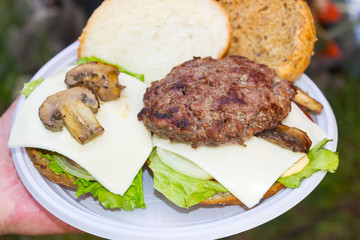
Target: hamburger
x,y
191,142
100,178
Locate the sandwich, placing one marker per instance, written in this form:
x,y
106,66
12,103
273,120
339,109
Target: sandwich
x,y
227,131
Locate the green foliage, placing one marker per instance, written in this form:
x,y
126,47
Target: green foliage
x,y
8,72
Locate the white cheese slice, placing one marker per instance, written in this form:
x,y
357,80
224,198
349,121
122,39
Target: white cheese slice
x,y
247,172
298,119
115,157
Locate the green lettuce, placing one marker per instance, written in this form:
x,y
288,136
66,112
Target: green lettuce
x,y
30,87
182,190
320,159
54,166
132,198
95,59
186,191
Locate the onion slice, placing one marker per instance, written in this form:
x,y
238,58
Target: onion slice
x,y
74,170
182,165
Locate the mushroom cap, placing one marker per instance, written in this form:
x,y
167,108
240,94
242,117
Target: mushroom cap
x,y
102,78
49,110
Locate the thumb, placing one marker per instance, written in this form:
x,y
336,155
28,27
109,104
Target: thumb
x,y
5,123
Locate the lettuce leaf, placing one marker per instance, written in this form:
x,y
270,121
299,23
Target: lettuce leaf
x,y
54,166
182,190
30,87
93,59
133,197
320,159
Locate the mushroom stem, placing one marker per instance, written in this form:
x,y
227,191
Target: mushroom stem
x,y
308,102
80,122
287,137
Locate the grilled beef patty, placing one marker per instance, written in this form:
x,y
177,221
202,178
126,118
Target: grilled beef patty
x,y
208,101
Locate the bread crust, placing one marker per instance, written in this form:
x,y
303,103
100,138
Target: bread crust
x,y
88,25
298,57
42,165
229,199
303,49
227,45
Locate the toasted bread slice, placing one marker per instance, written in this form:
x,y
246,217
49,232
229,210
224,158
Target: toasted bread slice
x,y
278,33
42,165
153,36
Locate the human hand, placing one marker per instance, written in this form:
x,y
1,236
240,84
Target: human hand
x,y
19,212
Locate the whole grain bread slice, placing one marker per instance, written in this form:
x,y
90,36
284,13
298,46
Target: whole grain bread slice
x,y
278,33
42,165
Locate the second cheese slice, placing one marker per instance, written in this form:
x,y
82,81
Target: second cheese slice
x,y
247,172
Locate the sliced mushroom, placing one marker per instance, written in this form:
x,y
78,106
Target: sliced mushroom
x,y
287,137
100,77
74,108
307,102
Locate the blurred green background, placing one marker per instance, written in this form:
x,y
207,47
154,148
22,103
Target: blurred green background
x,y
33,31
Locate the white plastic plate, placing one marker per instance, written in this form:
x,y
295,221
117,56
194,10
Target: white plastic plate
x,y
162,219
